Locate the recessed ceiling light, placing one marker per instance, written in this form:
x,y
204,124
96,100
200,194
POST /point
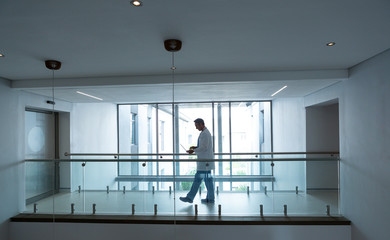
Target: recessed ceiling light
x,y
278,91
89,95
136,3
1,55
329,44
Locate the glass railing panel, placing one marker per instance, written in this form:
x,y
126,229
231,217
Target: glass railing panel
x,y
185,183
74,201
305,185
87,175
39,186
156,187
246,192
224,168
148,189
289,175
68,195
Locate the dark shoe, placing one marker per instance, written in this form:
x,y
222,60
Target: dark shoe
x,y
206,201
185,199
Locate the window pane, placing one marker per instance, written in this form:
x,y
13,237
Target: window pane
x,y
135,132
148,128
165,140
187,133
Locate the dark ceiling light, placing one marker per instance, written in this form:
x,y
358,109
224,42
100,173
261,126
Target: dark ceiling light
x,y
136,3
172,45
330,44
53,64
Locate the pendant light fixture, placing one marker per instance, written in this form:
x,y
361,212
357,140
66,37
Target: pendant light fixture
x,y
52,65
173,45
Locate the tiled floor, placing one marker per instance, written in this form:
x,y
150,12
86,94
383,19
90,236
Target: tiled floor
x,y
311,203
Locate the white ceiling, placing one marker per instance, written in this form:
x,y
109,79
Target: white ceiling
x,y
112,39
234,91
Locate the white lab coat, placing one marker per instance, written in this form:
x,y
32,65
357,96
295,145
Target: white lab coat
x,y
205,151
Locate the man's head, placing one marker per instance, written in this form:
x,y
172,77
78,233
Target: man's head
x,y
199,124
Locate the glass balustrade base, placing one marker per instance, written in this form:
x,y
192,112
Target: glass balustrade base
x,y
235,204
198,220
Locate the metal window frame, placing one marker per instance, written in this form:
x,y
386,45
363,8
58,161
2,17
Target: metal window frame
x,y
213,104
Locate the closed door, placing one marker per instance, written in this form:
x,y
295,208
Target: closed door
x,y
39,144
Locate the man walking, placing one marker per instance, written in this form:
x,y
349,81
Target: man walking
x,y
204,150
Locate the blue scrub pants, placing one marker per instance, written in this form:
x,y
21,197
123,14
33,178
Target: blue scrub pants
x,y
208,180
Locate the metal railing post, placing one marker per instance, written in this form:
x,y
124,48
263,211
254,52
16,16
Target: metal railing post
x,y
261,210
72,208
35,208
94,208
327,210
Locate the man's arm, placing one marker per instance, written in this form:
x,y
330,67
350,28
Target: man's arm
x,y
203,143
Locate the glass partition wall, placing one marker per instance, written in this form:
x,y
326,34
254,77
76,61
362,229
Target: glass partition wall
x,y
151,169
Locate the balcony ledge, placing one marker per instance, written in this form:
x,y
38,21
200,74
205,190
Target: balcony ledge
x,y
182,220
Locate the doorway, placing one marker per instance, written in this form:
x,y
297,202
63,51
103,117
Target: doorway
x,y
322,135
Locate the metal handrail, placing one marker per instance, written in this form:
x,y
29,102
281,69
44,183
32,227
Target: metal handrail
x,y
189,160
176,154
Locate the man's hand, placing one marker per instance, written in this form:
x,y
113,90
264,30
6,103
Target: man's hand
x,y
191,151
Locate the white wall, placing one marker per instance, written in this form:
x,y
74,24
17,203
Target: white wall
x,y
365,149
94,130
11,165
288,124
364,109
12,108
80,231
